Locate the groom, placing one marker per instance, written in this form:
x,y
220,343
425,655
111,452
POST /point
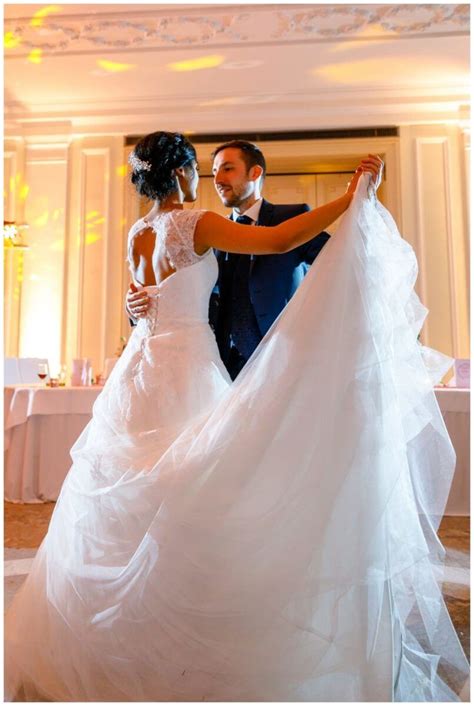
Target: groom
x,y
252,290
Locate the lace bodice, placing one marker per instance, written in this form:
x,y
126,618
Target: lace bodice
x,y
179,299
174,237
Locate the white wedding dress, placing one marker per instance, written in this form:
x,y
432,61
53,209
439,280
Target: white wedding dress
x,y
269,540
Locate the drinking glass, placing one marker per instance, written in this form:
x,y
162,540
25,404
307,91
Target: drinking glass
x,y
42,371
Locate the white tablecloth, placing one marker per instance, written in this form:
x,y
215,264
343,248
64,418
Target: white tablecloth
x,y
41,425
455,408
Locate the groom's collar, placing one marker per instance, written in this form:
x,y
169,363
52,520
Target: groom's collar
x,y
253,212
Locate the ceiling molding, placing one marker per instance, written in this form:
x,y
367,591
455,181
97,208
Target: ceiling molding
x,y
332,96
228,25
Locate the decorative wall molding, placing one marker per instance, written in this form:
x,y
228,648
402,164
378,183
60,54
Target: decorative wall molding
x,y
94,250
434,222
238,113
43,273
13,261
233,25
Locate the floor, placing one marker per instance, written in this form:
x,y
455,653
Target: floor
x,y
26,525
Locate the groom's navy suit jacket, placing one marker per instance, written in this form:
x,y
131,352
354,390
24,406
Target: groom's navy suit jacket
x,y
273,279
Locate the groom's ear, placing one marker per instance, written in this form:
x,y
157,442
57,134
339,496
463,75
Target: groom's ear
x,y
255,172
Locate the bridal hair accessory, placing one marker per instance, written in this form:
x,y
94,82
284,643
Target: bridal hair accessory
x,y
138,164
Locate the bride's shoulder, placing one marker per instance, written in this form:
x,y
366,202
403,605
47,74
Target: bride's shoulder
x,y
182,224
185,216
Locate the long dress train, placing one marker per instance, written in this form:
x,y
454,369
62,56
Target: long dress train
x,y
269,540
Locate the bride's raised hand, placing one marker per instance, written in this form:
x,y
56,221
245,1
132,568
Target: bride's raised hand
x,y
352,185
373,165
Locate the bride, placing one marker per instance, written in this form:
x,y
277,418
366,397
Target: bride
x,y
268,540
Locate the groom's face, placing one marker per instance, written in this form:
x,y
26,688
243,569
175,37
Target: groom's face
x,y
233,181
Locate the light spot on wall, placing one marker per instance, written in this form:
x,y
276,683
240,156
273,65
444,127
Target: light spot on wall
x,y
92,238
35,56
38,18
398,68
202,62
11,40
24,191
114,66
368,36
42,219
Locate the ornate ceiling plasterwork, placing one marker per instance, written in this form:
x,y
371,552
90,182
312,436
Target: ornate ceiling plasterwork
x,y
213,26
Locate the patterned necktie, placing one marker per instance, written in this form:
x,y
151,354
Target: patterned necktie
x,y
245,332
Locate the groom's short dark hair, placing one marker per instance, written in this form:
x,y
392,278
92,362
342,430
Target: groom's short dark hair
x,y
251,154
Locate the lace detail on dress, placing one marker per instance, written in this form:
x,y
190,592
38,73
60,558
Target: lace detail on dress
x,y
178,237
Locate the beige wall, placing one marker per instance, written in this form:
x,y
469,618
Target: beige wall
x,y
433,168
79,206
70,287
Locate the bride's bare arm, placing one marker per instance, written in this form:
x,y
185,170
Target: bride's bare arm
x,y
214,231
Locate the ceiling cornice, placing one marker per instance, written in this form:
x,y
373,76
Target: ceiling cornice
x,y
229,25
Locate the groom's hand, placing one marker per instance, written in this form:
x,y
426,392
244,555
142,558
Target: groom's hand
x,y
137,302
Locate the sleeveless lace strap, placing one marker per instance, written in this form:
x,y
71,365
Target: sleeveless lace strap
x,y
179,238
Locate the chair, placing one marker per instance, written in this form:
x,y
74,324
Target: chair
x,y
11,371
22,370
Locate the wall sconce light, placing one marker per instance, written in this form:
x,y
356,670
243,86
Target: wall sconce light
x,y
12,236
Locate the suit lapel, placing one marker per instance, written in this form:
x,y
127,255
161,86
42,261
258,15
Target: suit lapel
x,y
265,216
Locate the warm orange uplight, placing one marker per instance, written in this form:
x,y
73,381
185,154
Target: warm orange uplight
x,y
38,17
202,62
113,66
35,56
122,170
11,40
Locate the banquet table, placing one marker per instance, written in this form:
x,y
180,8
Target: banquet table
x,y
455,408
41,425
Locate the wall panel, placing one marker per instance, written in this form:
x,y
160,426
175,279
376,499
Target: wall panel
x,y
432,177
13,201
41,316
95,250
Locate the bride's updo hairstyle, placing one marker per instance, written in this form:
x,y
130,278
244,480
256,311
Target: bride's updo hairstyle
x,y
154,160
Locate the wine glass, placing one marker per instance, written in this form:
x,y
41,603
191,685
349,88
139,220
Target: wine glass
x,y
42,371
